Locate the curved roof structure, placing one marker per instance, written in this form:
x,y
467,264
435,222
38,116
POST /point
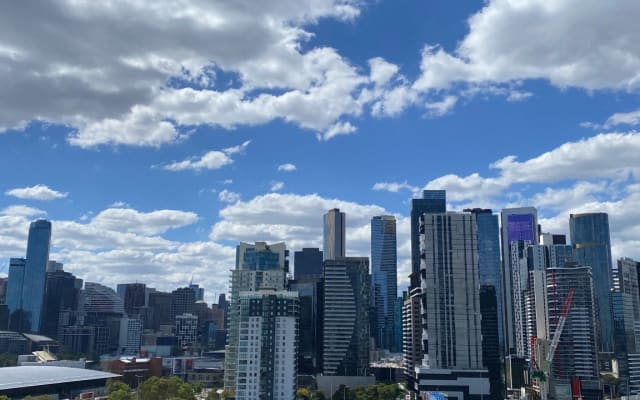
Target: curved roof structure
x,y
30,376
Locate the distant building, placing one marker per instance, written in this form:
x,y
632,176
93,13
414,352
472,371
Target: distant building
x,y
130,335
308,264
133,296
432,201
412,335
592,246
516,224
384,266
310,324
25,294
135,370
160,305
182,302
334,234
62,292
346,288
269,327
187,329
197,291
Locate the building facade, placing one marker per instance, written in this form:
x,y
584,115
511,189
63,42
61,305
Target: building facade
x,y
346,290
432,201
334,234
308,264
384,267
268,345
592,246
187,329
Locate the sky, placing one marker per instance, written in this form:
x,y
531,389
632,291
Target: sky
x,y
157,135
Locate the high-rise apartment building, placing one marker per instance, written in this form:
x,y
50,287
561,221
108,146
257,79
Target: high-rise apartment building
x,y
26,289
625,299
334,234
269,335
384,267
258,266
187,329
576,357
592,246
308,264
412,335
516,224
452,332
346,290
432,201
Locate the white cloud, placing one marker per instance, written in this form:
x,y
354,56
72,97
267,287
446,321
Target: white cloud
x,y
394,187
382,71
22,211
276,186
214,159
339,128
150,223
442,107
288,167
37,192
119,204
227,182
228,196
116,91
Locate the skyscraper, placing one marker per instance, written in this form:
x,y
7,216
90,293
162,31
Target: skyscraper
x,y
61,294
516,224
592,245
334,234
489,265
27,292
133,298
258,266
452,340
182,302
308,264
384,278
310,323
432,201
345,345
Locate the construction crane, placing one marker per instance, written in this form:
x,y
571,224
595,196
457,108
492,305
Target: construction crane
x,y
542,373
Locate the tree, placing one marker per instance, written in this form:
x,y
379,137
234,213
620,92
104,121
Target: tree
x,y
3,397
119,391
303,393
173,387
39,397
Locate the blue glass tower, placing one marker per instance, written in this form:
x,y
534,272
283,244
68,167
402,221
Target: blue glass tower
x,y
489,264
384,267
27,290
432,201
591,241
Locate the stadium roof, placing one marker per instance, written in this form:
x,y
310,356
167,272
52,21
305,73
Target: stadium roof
x,y
30,376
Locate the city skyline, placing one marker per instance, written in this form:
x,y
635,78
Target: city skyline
x,y
367,103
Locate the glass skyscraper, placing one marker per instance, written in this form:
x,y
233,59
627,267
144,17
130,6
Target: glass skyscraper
x,y
432,201
592,247
384,269
27,280
334,234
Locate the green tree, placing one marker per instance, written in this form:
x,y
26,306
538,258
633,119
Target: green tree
x,y
3,397
303,393
39,397
119,391
173,387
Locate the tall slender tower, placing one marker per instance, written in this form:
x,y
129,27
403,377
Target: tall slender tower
x,y
592,246
432,201
334,234
384,269
25,304
517,224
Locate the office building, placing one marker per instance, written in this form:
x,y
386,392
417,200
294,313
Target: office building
x,y
62,292
592,246
516,224
452,333
432,201
130,337
625,301
346,291
258,266
182,302
489,264
310,324
198,291
307,264
412,335
334,234
26,287
269,328
160,305
133,296
384,267
490,342
187,329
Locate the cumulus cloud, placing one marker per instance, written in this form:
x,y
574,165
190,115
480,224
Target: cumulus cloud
x,y
288,167
228,196
631,118
394,187
37,192
339,128
22,211
276,186
214,159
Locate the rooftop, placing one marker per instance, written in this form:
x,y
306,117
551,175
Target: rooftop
x,y
30,376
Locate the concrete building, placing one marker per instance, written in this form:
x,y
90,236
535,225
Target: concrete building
x,y
452,342
411,334
334,234
187,329
130,335
268,351
432,201
258,266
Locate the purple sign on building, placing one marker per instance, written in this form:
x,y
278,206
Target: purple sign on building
x,y
520,227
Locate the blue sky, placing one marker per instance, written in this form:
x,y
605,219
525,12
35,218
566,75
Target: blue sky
x,y
156,136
